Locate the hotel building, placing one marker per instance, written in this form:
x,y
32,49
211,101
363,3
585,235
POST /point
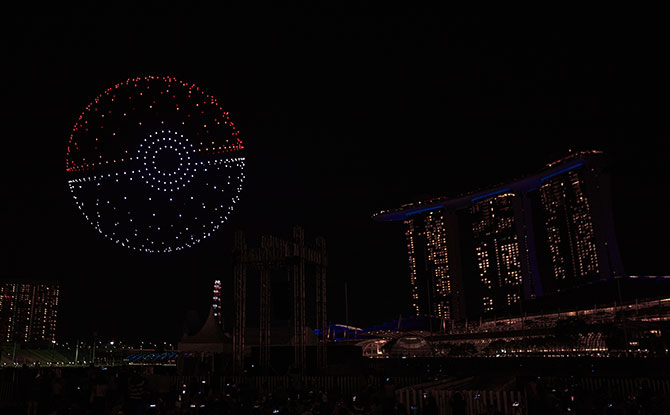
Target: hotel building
x,y
487,250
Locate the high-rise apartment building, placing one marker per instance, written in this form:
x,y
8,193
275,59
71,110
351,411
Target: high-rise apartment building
x,y
28,311
487,250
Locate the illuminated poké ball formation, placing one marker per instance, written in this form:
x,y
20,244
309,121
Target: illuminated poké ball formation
x,y
155,164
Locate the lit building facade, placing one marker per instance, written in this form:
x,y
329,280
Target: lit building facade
x,y
496,248
566,223
486,251
28,311
433,288
216,303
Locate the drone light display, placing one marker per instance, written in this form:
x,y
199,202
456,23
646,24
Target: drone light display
x,y
155,164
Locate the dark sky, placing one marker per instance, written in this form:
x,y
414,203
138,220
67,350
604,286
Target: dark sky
x,y
341,117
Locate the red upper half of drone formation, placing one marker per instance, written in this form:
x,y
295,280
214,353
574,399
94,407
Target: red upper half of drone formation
x,y
109,130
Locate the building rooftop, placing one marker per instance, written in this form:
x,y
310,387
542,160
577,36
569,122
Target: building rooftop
x,y
527,183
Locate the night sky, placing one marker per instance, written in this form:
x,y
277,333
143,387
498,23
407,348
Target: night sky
x,y
341,117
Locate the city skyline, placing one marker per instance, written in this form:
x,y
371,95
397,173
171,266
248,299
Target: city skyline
x,y
344,122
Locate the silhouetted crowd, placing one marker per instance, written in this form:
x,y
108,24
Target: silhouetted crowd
x,y
138,391
134,391
553,397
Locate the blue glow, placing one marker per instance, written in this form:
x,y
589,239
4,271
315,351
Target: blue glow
x,y
424,210
497,192
560,172
151,357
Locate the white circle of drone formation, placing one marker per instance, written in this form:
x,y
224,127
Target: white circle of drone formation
x,y
175,179
168,194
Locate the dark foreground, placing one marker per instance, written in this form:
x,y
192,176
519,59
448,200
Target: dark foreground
x,y
431,386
